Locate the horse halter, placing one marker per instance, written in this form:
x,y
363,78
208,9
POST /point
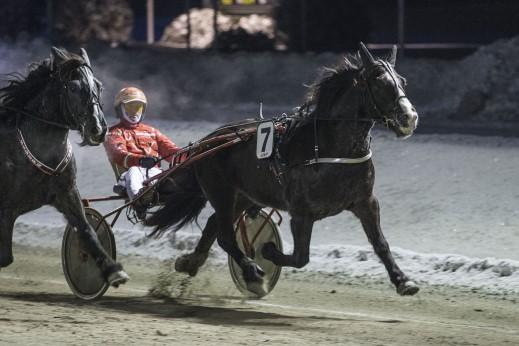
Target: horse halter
x,y
364,74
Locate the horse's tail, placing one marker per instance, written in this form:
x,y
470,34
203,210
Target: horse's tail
x,y
181,201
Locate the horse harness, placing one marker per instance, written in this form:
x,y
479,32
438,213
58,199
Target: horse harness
x,y
46,169
283,130
285,124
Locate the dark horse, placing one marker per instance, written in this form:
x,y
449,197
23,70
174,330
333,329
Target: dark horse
x,y
37,166
324,167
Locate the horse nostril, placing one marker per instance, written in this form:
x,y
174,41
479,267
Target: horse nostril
x,y
414,120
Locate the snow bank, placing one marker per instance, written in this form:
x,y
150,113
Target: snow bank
x,y
343,262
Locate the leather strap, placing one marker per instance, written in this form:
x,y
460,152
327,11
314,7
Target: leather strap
x,y
343,160
40,165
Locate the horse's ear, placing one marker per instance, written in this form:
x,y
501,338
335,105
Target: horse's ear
x,y
56,57
367,58
392,58
84,55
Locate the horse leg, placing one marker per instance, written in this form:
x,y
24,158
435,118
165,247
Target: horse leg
x,y
252,273
301,228
226,203
369,214
70,205
7,219
191,262
226,210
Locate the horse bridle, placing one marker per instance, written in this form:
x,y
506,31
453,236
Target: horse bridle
x,y
94,98
364,73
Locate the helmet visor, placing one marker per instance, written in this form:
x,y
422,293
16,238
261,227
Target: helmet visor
x,y
133,108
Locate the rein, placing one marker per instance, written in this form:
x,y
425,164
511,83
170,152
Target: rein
x,y
49,122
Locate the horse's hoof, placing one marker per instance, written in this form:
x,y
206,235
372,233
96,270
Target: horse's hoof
x,y
181,264
407,288
5,261
257,288
252,272
118,278
188,264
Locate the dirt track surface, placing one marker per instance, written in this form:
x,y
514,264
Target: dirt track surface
x,y
36,307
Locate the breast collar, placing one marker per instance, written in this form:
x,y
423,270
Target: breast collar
x,y
46,169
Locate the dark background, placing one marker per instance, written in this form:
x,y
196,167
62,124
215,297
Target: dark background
x,y
332,25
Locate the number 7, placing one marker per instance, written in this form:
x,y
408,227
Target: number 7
x,y
267,131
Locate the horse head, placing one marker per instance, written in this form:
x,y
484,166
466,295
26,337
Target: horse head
x,y
385,97
79,95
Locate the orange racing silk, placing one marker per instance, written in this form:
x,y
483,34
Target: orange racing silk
x,y
126,144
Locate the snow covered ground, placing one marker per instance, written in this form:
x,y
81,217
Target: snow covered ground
x,y
449,209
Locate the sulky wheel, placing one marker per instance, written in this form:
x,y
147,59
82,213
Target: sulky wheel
x,y
259,230
83,275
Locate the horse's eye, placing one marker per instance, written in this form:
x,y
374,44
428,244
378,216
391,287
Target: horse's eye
x,y
73,86
380,76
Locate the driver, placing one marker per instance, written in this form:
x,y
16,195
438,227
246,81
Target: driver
x,y
134,148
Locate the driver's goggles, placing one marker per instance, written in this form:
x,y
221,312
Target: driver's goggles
x,y
133,108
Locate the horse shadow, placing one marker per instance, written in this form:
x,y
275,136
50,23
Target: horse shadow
x,y
206,312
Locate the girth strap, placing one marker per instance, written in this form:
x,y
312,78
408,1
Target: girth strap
x,y
338,160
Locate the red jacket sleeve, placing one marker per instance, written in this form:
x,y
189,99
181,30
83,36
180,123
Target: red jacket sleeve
x,y
115,146
165,146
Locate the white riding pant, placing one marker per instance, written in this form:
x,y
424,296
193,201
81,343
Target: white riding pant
x,y
134,177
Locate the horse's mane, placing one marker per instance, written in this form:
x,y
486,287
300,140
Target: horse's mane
x,y
20,90
322,93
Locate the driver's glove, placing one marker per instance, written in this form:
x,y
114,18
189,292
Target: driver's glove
x,y
148,162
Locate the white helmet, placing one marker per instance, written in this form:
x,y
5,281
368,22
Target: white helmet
x,y
130,104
